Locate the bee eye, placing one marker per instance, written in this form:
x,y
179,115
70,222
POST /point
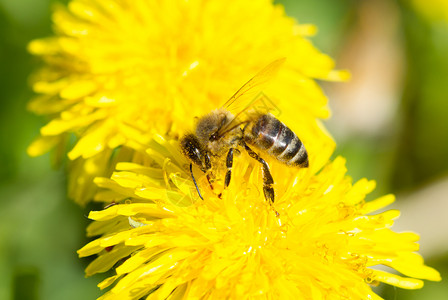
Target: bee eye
x,y
192,149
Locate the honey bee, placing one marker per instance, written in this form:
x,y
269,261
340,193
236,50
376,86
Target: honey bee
x,y
237,125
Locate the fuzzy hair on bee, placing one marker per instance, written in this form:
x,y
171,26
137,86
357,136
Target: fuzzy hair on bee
x,y
208,132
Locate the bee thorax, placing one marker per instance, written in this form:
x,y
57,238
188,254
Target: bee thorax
x,y
209,126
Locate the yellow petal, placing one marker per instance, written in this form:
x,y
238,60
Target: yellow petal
x,y
378,204
106,261
78,89
108,281
398,281
42,145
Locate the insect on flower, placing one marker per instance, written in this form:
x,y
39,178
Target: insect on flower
x,y
238,125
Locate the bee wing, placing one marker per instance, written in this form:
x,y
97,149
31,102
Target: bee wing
x,y
243,97
250,97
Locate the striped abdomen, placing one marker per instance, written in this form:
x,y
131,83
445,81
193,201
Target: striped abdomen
x,y
269,134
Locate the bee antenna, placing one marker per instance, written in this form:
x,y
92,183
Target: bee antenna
x,y
194,181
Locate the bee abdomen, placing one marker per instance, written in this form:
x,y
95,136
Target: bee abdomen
x,y
269,134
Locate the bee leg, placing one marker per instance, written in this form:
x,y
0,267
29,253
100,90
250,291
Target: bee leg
x,y
194,181
268,181
207,170
209,181
229,164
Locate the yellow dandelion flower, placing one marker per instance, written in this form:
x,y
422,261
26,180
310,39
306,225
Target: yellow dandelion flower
x,y
165,243
116,71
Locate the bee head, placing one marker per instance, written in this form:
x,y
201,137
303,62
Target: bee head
x,y
192,149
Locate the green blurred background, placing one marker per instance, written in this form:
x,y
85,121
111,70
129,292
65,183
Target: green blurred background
x,y
390,122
